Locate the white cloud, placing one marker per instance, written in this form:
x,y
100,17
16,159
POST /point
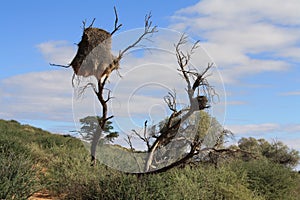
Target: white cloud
x,y
253,128
37,96
290,53
264,128
236,33
275,10
57,52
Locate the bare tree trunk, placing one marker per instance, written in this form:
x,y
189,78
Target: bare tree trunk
x,y
102,121
150,157
95,141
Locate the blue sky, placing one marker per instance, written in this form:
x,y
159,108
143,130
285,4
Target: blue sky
x,y
255,44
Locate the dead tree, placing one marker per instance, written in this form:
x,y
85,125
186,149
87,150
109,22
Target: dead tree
x,y
195,82
94,58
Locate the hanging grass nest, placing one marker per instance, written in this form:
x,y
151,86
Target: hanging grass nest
x,y
94,57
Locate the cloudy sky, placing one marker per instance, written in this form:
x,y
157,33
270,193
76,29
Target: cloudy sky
x,y
255,45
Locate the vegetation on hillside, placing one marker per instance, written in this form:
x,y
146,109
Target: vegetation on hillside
x,y
34,160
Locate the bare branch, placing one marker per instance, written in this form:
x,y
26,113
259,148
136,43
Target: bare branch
x,y
129,142
117,26
183,59
137,134
65,66
201,79
109,97
73,78
170,100
145,135
148,29
108,118
83,24
144,138
90,26
82,89
195,46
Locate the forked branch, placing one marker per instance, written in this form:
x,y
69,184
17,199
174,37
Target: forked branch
x,y
117,26
170,100
145,138
148,30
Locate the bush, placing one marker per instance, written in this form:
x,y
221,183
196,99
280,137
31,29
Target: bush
x,y
17,172
268,179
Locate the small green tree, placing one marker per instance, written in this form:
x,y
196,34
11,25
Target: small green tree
x,y
90,125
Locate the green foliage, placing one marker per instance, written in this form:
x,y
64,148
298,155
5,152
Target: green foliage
x,y
276,152
270,180
17,171
25,153
90,125
187,183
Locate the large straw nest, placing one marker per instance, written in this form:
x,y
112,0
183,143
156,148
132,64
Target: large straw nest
x,y
94,55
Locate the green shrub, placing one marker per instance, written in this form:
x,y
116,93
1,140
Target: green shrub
x,y
271,180
17,172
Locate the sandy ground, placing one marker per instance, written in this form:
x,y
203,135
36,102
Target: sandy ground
x,y
42,195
